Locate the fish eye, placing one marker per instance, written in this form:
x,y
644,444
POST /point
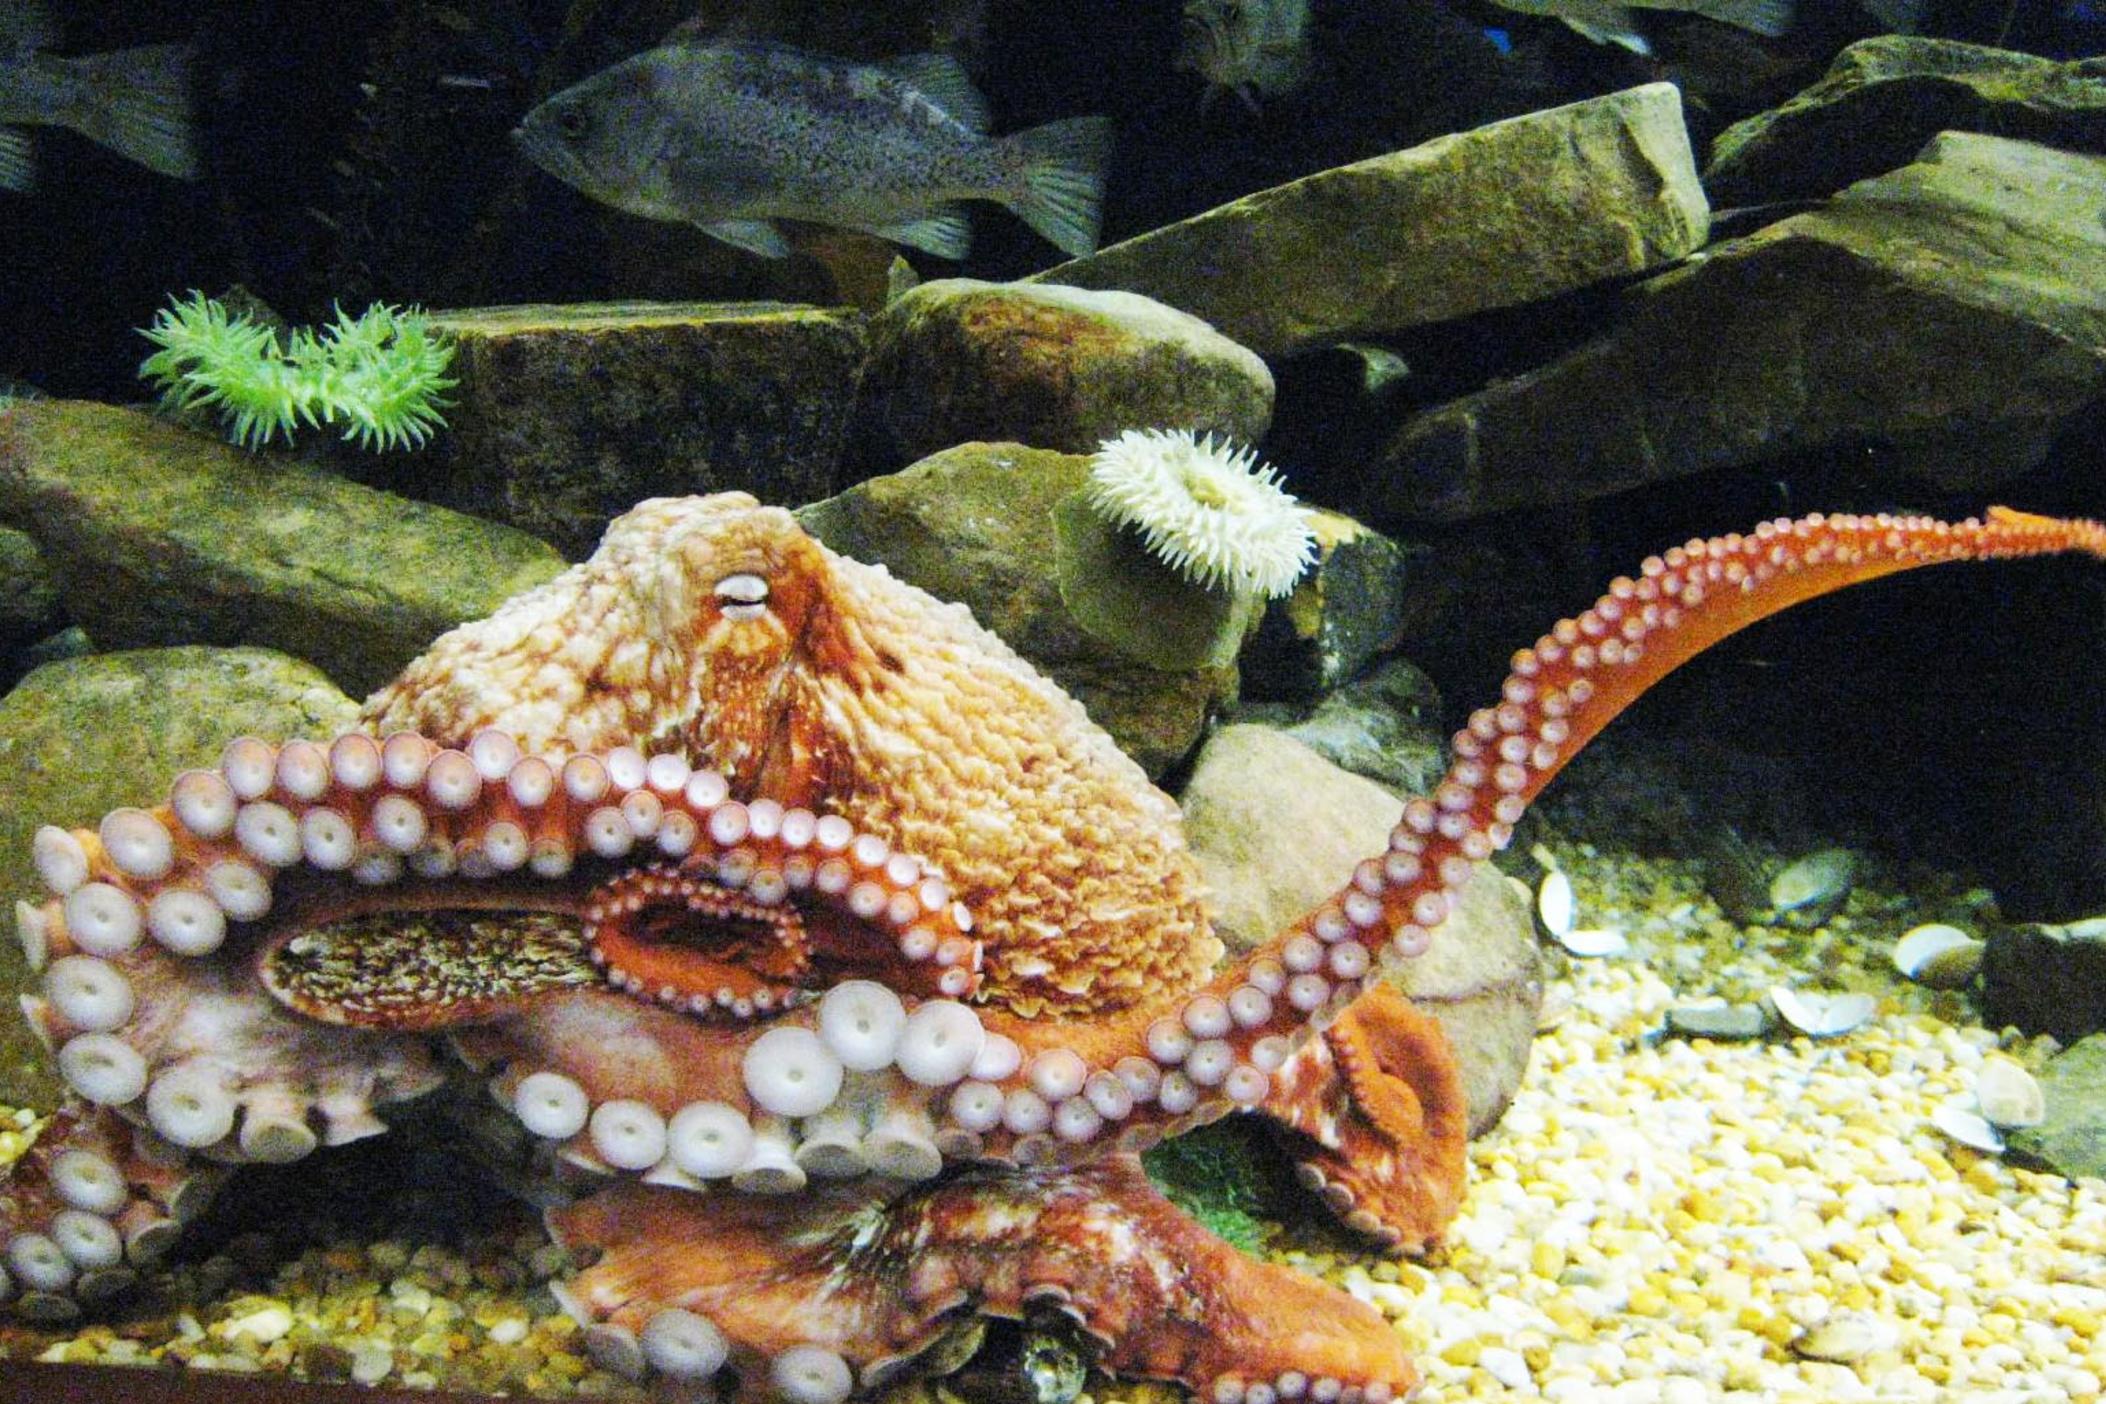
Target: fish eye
x,y
572,121
743,596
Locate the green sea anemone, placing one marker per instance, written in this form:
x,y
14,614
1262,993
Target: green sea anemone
x,y
1206,508
382,376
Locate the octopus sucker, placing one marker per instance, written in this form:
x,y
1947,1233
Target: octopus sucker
x,y
832,963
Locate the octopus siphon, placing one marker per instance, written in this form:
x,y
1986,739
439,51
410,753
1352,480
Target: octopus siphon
x,y
837,967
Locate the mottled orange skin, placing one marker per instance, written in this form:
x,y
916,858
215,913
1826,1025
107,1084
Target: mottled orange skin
x,y
852,694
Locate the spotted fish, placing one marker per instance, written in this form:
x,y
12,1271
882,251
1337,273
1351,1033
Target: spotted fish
x,y
731,137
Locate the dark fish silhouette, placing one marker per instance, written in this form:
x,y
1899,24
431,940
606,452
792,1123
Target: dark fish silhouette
x,y
134,101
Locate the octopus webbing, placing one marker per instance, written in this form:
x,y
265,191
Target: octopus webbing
x,y
837,965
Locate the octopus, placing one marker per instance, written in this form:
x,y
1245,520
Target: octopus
x,y
833,967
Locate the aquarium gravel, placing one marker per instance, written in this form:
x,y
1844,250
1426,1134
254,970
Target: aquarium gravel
x,y
1656,1221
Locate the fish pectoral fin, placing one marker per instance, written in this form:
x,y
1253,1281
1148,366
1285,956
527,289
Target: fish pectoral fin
x,y
943,80
1611,24
944,232
18,167
755,236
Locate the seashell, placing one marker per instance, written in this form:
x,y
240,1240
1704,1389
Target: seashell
x,y
1967,1127
1555,905
2009,1096
1846,1337
1813,888
1591,941
1821,1014
1938,955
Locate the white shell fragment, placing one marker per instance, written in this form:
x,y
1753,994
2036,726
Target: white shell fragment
x,y
1555,904
1967,1127
1847,1336
2009,1096
1813,887
1937,955
1819,1014
1593,941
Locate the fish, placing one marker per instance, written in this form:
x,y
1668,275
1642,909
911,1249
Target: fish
x,y
1251,48
1611,22
134,101
732,136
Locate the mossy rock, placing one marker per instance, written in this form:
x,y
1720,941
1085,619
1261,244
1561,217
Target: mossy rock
x,y
161,535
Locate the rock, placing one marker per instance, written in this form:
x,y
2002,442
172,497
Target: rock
x,y
160,535
1950,311
567,416
1002,529
1356,603
1385,726
85,736
1505,214
29,592
2072,1140
1055,367
1726,1023
1884,97
2047,978
1277,828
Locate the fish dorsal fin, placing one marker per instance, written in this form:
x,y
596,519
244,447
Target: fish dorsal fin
x,y
943,80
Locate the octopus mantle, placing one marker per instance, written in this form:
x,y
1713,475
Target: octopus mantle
x,y
834,966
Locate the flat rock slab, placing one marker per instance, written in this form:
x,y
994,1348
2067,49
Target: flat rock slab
x,y
568,416
1883,98
161,535
1953,311
1505,214
82,737
959,360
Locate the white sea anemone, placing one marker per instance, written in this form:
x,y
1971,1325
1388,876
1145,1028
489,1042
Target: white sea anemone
x,y
1208,509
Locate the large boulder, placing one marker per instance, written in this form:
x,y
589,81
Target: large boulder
x,y
2047,977
1884,97
1953,311
1355,602
1502,215
160,535
29,591
2072,1141
568,416
84,736
1276,829
1055,367
1003,529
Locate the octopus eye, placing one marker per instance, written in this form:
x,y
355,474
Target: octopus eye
x,y
743,596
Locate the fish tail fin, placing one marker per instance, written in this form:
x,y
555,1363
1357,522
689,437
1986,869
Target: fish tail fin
x,y
18,168
1901,16
142,107
1060,181
1766,17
